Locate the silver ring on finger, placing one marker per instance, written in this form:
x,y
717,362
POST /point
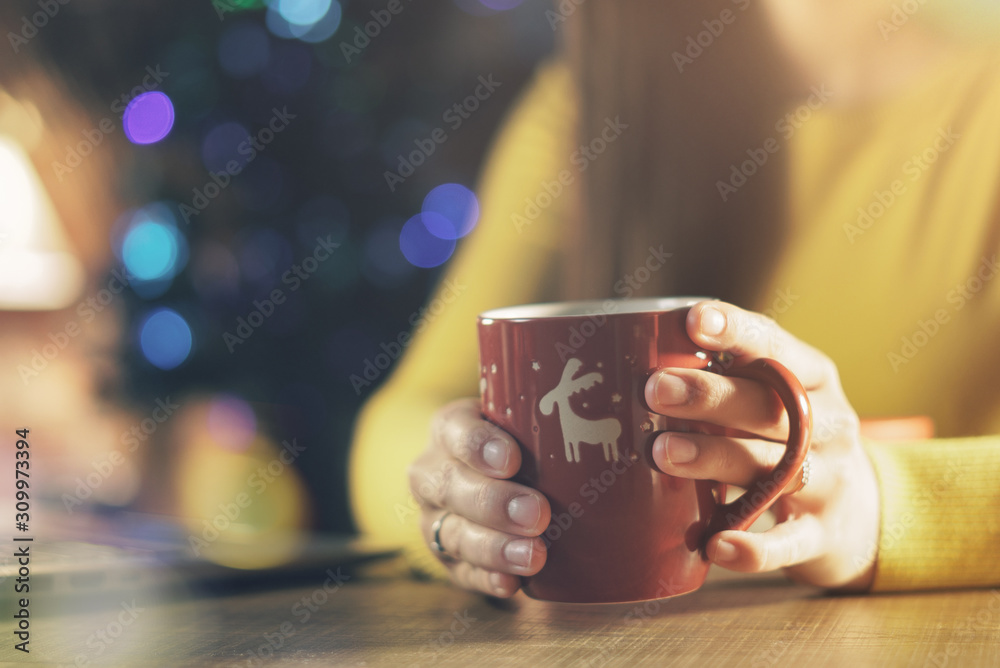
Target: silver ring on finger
x,y
436,544
806,472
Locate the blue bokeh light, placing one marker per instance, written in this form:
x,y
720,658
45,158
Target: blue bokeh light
x,y
150,251
325,27
307,20
278,26
303,12
148,118
420,247
165,338
150,247
457,211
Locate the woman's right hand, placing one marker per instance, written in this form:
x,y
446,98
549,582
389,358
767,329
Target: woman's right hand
x,y
491,528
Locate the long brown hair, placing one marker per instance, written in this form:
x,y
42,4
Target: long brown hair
x,y
691,117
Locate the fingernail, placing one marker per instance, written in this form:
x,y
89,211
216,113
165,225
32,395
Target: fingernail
x,y
496,454
518,552
680,450
671,390
524,510
724,552
713,322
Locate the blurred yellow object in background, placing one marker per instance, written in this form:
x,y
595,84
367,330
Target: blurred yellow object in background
x,y
244,509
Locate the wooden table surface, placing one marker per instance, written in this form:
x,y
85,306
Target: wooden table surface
x,y
379,621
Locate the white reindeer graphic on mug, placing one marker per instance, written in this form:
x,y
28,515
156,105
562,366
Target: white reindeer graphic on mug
x,y
576,429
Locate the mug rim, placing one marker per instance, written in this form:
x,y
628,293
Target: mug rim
x,y
587,307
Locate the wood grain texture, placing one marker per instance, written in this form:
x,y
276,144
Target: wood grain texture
x,y
741,621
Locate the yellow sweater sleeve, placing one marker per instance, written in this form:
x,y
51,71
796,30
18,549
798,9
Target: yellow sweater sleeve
x,y
940,505
500,264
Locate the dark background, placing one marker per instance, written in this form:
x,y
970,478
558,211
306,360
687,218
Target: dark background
x,y
322,176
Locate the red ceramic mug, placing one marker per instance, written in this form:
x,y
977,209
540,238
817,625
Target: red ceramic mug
x,y
567,381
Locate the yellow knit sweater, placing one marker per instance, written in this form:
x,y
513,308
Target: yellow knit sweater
x,y
889,270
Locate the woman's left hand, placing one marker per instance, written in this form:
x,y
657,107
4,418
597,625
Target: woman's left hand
x,y
827,533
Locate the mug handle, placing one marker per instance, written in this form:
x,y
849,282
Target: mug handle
x,y
764,491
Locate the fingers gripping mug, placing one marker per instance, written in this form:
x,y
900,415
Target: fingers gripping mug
x,y
567,381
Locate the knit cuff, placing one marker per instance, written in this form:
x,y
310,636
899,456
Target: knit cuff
x,y
940,513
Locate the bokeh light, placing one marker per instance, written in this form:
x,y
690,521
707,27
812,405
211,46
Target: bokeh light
x,y
165,338
244,50
224,69
307,20
325,27
151,248
303,12
148,118
150,251
263,534
455,204
420,247
278,26
232,423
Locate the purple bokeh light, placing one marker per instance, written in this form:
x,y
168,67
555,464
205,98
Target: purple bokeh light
x,y
456,209
232,423
420,247
148,118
